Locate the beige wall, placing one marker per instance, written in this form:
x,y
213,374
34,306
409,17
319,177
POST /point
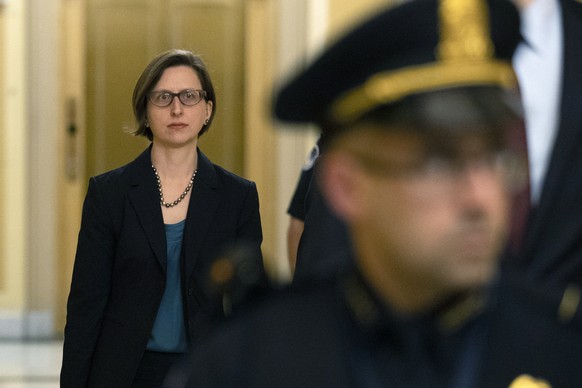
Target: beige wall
x,y
343,14
28,152
71,166
2,110
42,109
13,167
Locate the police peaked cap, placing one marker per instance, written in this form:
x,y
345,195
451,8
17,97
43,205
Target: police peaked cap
x,y
415,48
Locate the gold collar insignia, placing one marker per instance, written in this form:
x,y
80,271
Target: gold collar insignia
x,y
527,381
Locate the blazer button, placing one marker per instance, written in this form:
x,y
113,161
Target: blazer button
x,y
190,291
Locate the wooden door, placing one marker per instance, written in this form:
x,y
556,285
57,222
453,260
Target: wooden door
x,y
123,35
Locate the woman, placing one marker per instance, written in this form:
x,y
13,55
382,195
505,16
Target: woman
x,y
149,234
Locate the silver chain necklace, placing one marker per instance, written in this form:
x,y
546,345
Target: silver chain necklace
x,y
180,198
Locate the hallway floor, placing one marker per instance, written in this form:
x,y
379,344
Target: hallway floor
x,y
30,364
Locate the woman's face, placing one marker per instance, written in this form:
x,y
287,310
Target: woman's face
x,y
177,124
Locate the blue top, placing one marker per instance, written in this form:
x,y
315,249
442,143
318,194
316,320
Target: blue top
x,y
169,331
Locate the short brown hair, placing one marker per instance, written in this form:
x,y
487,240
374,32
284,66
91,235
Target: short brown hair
x,y
152,74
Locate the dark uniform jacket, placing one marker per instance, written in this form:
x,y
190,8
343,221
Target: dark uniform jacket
x,y
324,241
337,334
119,273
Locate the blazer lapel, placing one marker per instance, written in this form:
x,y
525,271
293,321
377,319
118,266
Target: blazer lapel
x,y
146,203
204,200
570,125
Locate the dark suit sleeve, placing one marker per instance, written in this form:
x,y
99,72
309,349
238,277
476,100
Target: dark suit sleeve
x,y
89,288
249,230
249,278
296,207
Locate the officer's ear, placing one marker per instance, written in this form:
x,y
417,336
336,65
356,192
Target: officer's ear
x,y
341,183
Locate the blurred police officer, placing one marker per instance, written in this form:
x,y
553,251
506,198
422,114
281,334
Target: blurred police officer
x,y
419,106
319,241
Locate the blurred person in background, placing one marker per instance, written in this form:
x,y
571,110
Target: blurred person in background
x,y
548,64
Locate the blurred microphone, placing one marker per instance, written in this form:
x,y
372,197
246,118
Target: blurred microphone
x,y
239,276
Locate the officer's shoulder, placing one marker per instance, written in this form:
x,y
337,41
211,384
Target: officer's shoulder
x,y
555,303
536,331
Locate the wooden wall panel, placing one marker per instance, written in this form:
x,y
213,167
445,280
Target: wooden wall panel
x,y
71,175
213,29
2,114
123,35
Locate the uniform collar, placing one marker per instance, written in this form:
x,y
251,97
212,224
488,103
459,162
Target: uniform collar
x,y
379,322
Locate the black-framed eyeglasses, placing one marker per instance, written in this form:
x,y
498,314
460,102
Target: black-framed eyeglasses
x,y
187,97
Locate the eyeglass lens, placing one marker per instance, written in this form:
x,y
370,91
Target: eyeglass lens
x,y
187,97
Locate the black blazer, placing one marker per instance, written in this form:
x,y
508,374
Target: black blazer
x,y
552,248
119,272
